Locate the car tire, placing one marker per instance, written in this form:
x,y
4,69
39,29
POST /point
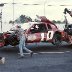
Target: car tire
x,y
12,40
56,39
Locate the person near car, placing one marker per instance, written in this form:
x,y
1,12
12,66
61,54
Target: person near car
x,y
68,11
22,38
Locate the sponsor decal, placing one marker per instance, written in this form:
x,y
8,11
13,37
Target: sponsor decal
x,y
31,37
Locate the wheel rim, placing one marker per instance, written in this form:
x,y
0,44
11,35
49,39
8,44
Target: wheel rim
x,y
57,39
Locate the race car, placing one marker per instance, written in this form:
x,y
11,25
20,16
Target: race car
x,y
41,31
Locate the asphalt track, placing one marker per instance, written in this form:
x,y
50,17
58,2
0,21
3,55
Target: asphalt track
x,y
46,58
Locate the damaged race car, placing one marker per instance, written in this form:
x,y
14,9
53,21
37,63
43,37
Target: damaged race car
x,y
41,31
68,27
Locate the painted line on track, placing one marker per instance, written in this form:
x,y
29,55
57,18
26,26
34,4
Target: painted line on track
x,y
48,52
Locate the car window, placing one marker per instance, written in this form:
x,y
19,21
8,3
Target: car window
x,y
48,26
38,28
42,28
70,26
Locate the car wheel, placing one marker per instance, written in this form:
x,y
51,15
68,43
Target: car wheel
x,y
56,39
13,40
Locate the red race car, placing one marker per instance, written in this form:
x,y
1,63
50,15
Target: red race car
x,y
41,31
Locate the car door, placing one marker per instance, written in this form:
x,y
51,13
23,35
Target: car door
x,y
50,33
33,34
46,32
37,33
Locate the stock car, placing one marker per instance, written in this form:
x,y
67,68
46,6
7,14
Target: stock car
x,y
40,31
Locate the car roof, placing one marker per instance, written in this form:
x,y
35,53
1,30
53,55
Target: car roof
x,y
29,24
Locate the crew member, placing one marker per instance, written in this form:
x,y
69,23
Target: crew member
x,y
22,37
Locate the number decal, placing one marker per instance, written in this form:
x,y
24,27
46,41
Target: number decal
x,y
42,36
50,35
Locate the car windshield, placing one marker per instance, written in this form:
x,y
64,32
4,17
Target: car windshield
x,y
24,26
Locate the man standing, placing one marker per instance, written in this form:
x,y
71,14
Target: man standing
x,y
22,38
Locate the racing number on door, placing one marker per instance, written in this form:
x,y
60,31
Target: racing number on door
x,y
42,36
49,35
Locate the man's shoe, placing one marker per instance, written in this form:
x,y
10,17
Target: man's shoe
x,y
2,60
31,54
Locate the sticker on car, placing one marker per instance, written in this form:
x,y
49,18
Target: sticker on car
x,y
31,37
49,35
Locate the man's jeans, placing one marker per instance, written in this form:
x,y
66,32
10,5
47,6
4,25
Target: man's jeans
x,y
22,45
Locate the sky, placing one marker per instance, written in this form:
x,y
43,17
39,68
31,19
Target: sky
x,y
54,12
51,12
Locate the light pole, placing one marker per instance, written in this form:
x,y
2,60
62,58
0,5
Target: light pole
x,y
1,5
44,6
13,12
